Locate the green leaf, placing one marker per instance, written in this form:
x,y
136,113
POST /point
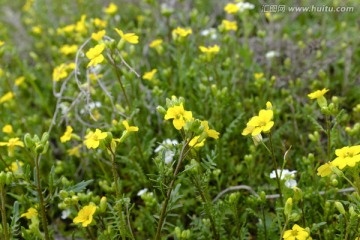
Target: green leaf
x,y
80,186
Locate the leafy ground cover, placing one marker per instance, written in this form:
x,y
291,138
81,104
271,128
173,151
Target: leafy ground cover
x,y
179,120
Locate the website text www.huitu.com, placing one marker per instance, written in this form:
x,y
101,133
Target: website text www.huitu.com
x,y
313,8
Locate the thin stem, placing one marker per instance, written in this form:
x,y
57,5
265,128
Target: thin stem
x,y
168,194
41,198
276,167
328,133
3,212
114,171
114,64
284,228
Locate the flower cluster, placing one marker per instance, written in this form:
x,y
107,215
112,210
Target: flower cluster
x,y
260,123
346,156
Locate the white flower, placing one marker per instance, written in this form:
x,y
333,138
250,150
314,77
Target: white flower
x,y
245,6
290,183
142,191
271,54
65,214
209,32
169,155
168,143
286,175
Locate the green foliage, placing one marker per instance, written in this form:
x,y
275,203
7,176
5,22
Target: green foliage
x,y
125,135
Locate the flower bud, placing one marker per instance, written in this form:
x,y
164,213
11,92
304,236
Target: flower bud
x,y
9,178
45,137
2,178
288,207
103,204
161,110
63,194
178,232
29,142
186,234
340,207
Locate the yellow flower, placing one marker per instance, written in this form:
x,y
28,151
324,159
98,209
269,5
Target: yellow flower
x,y
1,43
231,8
80,26
99,23
194,142
61,71
347,156
257,76
74,151
14,167
210,50
111,9
66,29
11,144
182,32
324,170
129,128
7,129
68,49
19,80
260,123
98,36
95,55
179,115
155,43
229,25
128,37
36,30
67,135
317,94
8,96
92,139
85,215
31,212
149,75
297,233
210,132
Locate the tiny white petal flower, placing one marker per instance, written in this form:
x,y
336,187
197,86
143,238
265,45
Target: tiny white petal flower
x,y
142,191
169,155
290,183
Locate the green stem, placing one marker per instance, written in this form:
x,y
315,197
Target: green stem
x,y
3,212
284,228
41,198
275,165
163,212
328,133
114,64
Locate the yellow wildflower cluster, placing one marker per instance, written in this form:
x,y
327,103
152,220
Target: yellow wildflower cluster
x,y
128,37
181,118
62,71
346,156
95,55
7,97
179,34
261,123
68,49
11,144
150,75
111,9
229,25
98,35
296,233
85,215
